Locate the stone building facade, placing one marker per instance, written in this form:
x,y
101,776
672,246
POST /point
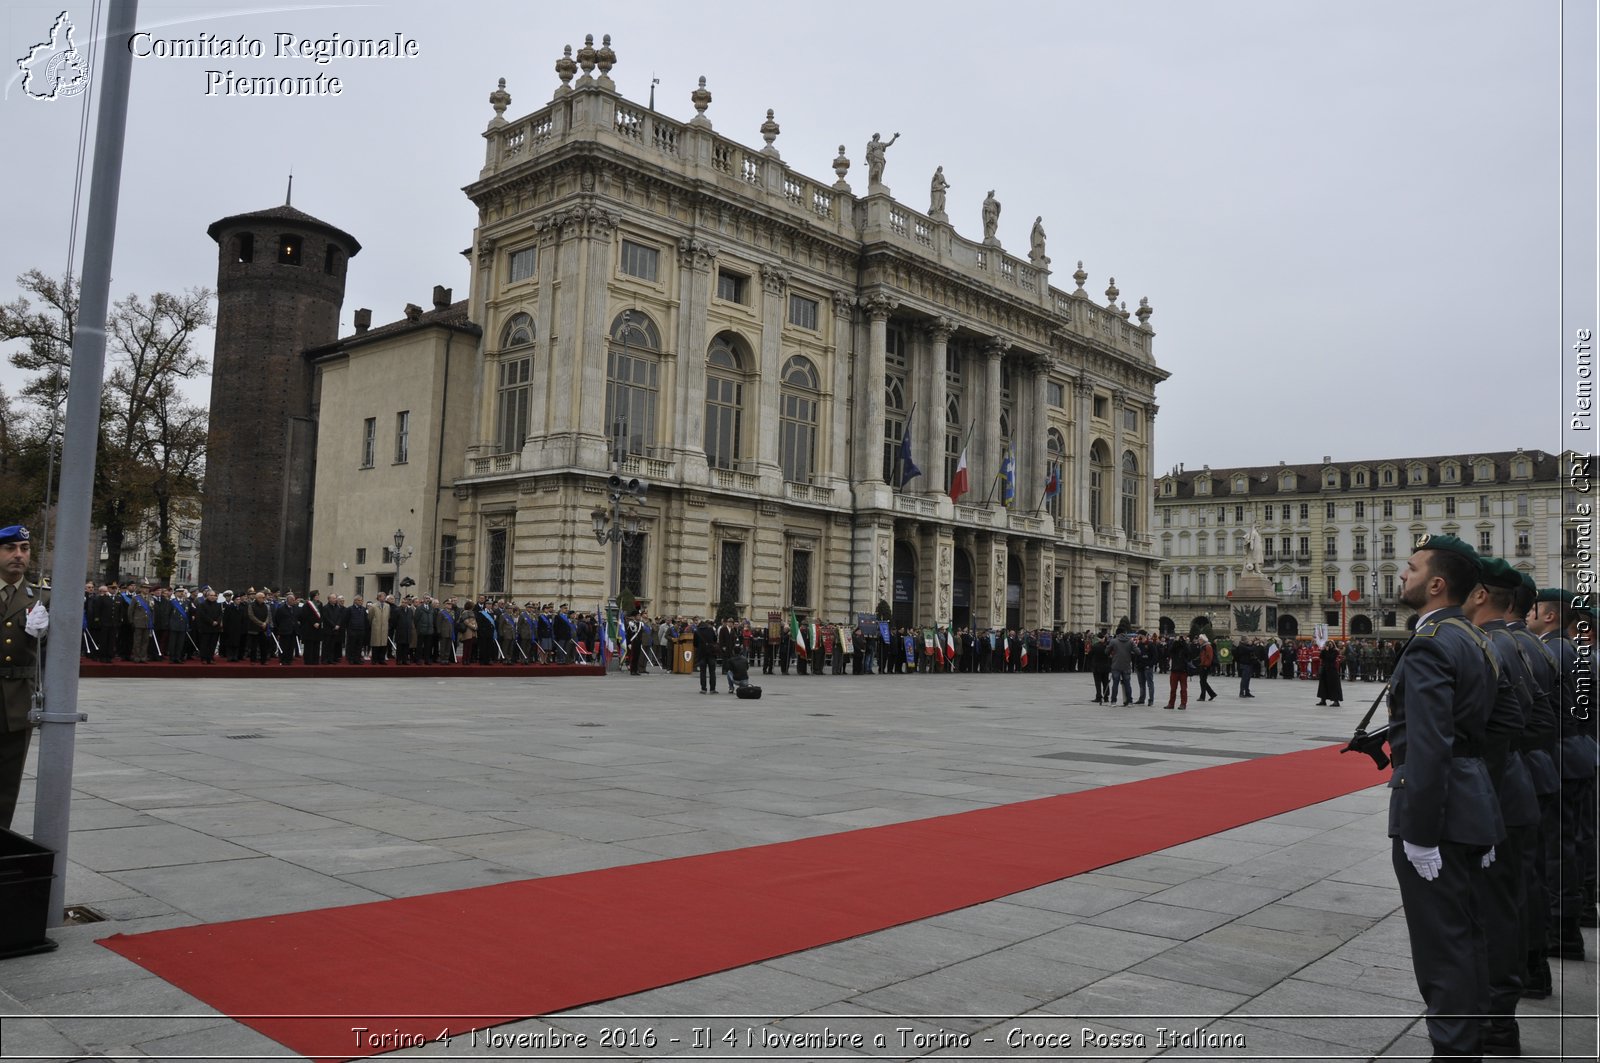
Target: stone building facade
x,y
663,304
280,284
1339,526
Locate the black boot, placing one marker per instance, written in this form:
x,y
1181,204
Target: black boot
x,y
1537,984
1501,1037
1569,945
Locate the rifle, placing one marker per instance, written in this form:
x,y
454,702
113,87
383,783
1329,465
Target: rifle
x,y
1371,742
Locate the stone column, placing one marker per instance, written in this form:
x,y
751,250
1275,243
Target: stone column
x,y
775,285
1149,479
1119,399
837,412
592,449
1083,392
983,482
937,347
870,391
696,258
1038,457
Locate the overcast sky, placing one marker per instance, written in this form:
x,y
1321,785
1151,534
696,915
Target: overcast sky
x,y
1347,215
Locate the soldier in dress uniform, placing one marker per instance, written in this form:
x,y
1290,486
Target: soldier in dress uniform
x,y
1503,897
1444,817
23,623
286,625
1552,614
311,628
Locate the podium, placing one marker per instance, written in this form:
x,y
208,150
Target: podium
x,y
683,655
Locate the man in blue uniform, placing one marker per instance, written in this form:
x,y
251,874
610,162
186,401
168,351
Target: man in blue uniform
x,y
1444,817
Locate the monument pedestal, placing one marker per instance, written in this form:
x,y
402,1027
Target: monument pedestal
x,y
1253,602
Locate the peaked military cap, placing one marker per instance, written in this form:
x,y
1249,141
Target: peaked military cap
x,y
1497,572
1450,544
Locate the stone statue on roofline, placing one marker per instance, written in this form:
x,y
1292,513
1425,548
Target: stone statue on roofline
x,y
877,155
936,193
991,217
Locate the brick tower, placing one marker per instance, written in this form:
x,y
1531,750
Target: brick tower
x,y
280,284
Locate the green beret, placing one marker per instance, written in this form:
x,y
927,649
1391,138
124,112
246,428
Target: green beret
x,y
1554,594
1532,587
1449,543
1497,572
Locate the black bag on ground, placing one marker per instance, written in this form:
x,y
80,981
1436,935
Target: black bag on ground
x,y
748,691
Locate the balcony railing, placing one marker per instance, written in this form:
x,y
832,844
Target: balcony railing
x,y
496,464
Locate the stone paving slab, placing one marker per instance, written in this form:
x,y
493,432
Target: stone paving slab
x,y
1295,915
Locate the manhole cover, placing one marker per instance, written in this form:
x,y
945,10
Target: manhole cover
x,y
78,914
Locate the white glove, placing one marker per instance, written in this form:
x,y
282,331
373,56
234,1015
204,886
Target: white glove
x,y
38,620
1488,857
1425,859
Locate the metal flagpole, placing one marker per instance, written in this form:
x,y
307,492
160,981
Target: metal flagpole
x,y
58,714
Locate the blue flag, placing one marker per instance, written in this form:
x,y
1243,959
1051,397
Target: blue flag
x,y
1008,480
908,468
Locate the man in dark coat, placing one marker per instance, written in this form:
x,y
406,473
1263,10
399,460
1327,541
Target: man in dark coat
x,y
357,632
1328,686
206,625
1444,817
705,655
311,628
286,625
334,617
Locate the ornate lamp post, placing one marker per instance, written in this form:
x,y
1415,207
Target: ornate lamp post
x,y
619,529
401,556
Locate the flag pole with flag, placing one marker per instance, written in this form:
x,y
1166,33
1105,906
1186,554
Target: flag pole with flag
x,y
1008,480
1052,488
908,468
798,636
959,484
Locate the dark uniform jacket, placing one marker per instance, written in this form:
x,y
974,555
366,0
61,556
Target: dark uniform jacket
x,y
1439,703
18,658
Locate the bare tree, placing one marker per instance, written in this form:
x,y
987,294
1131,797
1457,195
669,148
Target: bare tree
x,y
151,448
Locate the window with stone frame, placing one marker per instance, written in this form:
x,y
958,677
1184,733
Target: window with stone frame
x,y
496,554
524,263
632,391
402,437
803,312
1099,473
369,442
730,571
799,399
800,578
631,566
1055,468
1130,493
725,375
640,260
895,407
447,559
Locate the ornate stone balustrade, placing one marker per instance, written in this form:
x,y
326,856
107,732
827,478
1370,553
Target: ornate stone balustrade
x,y
728,480
495,464
798,492
649,468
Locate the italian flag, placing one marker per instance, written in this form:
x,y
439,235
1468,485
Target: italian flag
x,y
958,482
1024,653
949,644
798,636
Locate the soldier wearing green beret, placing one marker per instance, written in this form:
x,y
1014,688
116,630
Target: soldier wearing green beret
x,y
1571,857
1444,817
1503,892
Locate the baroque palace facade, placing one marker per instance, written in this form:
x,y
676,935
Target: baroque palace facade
x,y
1339,526
664,304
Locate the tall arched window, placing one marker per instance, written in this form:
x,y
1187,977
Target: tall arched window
x,y
514,398
1130,493
797,420
895,407
1099,472
725,369
632,367
1055,471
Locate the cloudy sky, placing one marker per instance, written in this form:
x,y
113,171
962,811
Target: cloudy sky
x,y
1348,216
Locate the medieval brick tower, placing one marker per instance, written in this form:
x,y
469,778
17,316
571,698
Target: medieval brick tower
x,y
280,284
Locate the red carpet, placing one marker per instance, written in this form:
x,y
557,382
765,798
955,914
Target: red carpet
x,y
274,670
484,956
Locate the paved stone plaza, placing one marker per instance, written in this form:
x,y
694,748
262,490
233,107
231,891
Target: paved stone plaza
x,y
206,800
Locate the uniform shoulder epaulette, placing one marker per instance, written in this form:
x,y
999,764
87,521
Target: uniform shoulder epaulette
x,y
1477,636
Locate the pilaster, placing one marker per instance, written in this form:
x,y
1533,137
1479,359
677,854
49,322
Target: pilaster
x,y
695,261
774,300
937,342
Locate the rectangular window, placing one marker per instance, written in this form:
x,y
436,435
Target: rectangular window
x,y
1361,511
361,586
1329,586
1388,544
1130,419
1061,592
1202,583
361,555
1305,511
1266,547
1105,601
1133,603
730,575
1449,505
1361,548
369,442
731,287
1524,543
1305,546
1286,511
402,436
803,312
800,579
1222,514
523,264
1288,546
1483,505
494,569
1166,517
515,402
1486,542
1100,405
1055,394
630,580
1388,508
447,559
1166,585
1238,514
1388,584
1333,546
631,402
388,556
1522,505
1416,507
639,260
1330,511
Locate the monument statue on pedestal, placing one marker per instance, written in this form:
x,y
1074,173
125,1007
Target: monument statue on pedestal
x,y
1253,550
991,217
877,155
936,192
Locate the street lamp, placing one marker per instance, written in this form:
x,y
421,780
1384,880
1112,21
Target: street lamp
x,y
618,528
401,556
